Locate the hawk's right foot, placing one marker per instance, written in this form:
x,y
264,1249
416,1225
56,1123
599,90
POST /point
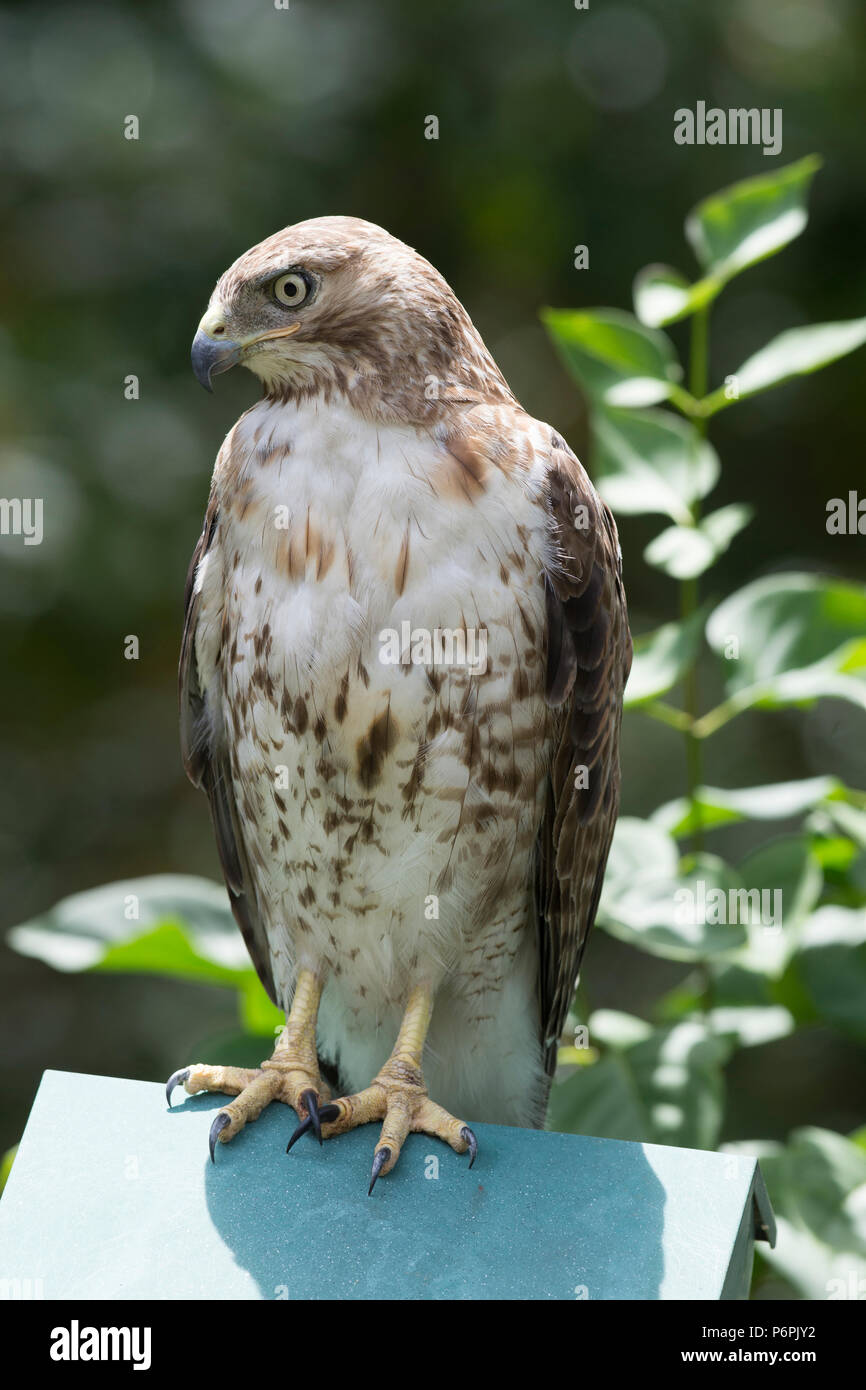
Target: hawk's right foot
x,y
291,1075
280,1078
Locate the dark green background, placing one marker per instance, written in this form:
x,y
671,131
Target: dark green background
x,y
556,128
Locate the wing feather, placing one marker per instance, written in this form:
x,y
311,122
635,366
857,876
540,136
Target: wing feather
x,y
588,661
206,760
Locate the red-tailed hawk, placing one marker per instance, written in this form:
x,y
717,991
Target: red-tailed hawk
x,y
401,685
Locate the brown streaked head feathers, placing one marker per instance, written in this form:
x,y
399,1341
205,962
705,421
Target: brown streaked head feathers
x,y
381,325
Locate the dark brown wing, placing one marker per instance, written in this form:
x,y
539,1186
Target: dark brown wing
x,y
588,661
206,760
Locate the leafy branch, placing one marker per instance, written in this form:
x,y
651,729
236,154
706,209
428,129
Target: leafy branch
x,y
786,640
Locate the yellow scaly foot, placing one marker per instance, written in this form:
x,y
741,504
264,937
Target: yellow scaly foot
x,y
398,1097
290,1075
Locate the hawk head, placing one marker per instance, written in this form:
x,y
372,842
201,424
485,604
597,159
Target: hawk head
x,y
337,304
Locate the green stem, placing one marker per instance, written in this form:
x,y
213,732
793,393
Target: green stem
x,y
686,403
699,357
689,596
666,714
709,992
715,718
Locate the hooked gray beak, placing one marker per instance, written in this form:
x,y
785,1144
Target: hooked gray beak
x,y
210,356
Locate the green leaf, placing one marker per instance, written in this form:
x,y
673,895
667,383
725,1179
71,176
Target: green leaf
x,y
665,1087
615,359
785,622
258,1014
729,231
663,295
790,639
684,552
714,806
613,1028
835,854
788,874
6,1165
752,1025
649,903
747,222
830,966
166,924
661,659
851,820
683,1001
797,352
822,1172
858,1137
639,847
817,1185
746,1016
841,675
166,950
736,987
651,461
788,864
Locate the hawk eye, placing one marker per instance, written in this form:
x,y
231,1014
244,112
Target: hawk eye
x,y
291,289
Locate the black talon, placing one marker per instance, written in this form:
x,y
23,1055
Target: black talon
x,y
216,1129
382,1156
176,1079
323,1116
466,1133
310,1100
301,1129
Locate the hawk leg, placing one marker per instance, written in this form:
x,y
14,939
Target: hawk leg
x,y
398,1097
291,1075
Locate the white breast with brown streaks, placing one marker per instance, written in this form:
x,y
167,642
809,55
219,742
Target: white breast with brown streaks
x,y
394,806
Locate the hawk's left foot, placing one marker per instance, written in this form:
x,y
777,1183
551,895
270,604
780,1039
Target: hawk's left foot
x,y
399,1098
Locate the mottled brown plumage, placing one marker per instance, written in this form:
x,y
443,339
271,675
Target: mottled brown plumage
x,y
389,482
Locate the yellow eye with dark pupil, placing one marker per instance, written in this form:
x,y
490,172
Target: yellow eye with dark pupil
x,y
291,290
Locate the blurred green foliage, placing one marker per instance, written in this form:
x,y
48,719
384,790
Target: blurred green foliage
x,y
555,130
